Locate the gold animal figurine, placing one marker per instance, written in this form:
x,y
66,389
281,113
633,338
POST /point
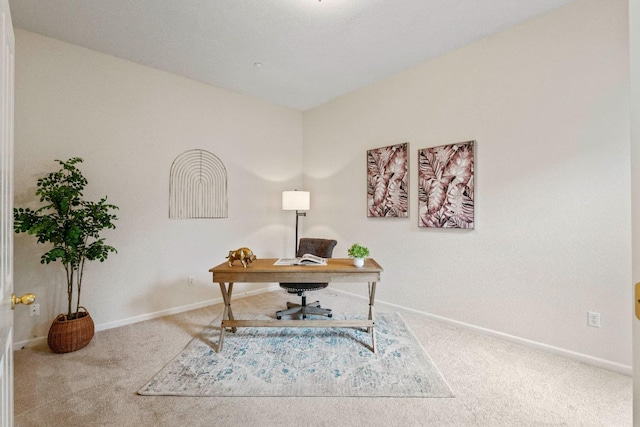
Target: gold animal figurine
x,y
245,255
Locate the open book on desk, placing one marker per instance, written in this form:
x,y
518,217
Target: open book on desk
x,y
306,259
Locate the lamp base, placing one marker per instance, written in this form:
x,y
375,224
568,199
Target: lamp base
x,y
295,245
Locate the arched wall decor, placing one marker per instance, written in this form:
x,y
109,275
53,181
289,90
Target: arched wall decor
x,y
197,186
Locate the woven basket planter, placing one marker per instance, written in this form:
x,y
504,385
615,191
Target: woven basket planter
x,y
66,336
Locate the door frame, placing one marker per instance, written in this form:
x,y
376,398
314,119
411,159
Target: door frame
x,y
7,70
634,56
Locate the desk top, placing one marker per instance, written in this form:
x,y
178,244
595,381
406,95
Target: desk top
x,y
337,270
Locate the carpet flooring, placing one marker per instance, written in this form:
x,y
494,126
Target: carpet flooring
x,y
496,383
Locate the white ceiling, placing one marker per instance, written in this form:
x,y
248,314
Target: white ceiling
x,y
310,51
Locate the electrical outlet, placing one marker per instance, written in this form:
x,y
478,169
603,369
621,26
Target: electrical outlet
x,y
34,310
593,319
190,281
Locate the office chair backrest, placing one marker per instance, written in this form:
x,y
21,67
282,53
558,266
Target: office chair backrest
x,y
319,247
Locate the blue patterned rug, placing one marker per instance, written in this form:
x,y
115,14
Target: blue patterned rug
x,y
303,362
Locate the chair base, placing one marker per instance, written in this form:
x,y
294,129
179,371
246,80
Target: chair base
x,y
305,309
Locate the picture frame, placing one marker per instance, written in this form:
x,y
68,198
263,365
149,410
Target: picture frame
x,y
446,186
388,181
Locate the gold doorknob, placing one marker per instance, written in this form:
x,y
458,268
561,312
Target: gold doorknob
x,y
637,304
25,299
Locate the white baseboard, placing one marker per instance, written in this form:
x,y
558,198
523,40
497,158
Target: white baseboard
x,y
584,358
580,357
19,345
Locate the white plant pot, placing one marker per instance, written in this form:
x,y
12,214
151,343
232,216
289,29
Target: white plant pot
x,y
358,262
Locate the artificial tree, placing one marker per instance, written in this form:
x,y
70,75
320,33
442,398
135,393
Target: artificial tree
x,y
69,223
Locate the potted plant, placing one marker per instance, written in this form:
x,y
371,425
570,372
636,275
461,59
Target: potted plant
x,y
358,253
72,225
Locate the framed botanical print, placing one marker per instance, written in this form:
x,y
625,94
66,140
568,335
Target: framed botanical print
x,y
388,181
446,186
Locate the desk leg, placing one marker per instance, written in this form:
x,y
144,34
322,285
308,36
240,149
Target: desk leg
x,y
372,297
227,313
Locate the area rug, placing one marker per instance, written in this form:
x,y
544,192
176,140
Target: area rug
x,y
303,362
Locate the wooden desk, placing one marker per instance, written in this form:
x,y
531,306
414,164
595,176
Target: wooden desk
x,y
338,270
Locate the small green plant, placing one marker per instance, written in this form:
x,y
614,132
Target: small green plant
x,y
69,223
357,251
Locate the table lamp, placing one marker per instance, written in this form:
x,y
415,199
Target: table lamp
x,y
296,201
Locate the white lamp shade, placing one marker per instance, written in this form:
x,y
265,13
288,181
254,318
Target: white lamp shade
x,y
296,200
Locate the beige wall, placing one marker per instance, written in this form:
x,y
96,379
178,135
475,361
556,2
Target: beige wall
x,y
129,123
547,102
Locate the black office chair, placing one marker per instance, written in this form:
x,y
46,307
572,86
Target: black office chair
x,y
319,247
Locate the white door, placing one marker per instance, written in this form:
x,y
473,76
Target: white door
x,y
6,214
634,51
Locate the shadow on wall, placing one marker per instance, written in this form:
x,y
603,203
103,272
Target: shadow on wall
x,y
46,281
